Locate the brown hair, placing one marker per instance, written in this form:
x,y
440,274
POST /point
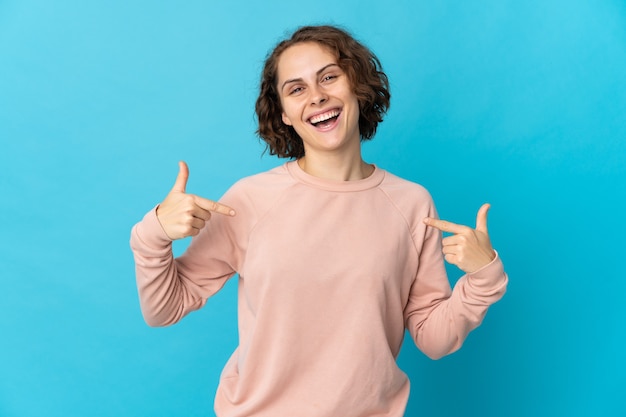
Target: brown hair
x,y
362,68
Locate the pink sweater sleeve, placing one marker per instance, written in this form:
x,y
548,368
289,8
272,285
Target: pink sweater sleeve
x,y
440,318
169,288
165,294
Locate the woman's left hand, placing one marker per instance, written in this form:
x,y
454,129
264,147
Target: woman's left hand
x,y
469,249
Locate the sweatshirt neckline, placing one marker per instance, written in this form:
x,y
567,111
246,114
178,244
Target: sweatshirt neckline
x,y
334,185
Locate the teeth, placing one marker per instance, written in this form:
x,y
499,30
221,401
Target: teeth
x,y
324,116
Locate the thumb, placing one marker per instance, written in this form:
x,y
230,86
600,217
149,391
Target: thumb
x,y
181,179
481,218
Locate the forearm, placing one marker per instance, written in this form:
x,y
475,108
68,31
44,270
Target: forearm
x,y
164,294
442,327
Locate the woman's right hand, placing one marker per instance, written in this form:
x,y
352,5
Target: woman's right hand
x,y
182,214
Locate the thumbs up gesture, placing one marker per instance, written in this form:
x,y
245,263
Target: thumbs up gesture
x,y
469,249
182,214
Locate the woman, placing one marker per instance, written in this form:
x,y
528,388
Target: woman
x,y
336,257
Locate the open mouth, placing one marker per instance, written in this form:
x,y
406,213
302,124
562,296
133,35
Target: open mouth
x,y
325,119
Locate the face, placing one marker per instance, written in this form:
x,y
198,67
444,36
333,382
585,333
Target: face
x,y
317,99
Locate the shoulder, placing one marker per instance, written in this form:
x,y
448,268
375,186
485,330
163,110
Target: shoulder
x,y
272,177
258,191
273,180
413,202
404,191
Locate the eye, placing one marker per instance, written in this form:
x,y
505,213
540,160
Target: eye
x,y
328,77
295,90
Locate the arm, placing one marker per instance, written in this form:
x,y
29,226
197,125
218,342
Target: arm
x,y
170,288
437,317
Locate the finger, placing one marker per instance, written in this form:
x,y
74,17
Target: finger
x,y
454,240
450,249
200,212
444,226
197,223
214,206
450,258
181,180
481,218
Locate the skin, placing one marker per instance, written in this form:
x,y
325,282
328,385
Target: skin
x,y
311,83
469,249
181,214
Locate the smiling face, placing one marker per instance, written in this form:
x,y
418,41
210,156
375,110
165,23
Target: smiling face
x,y
317,99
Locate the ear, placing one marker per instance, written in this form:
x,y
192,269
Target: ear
x,y
286,120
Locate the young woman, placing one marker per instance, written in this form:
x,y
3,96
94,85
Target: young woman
x,y
335,256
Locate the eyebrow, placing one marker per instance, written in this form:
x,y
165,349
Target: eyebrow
x,y
321,70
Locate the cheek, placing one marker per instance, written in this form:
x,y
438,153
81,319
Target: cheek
x,y
286,119
290,111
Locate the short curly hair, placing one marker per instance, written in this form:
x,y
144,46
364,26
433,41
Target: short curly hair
x,y
362,67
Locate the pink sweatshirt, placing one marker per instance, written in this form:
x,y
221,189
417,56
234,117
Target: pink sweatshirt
x,y
330,275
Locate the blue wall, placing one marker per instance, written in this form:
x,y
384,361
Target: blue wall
x,y
522,104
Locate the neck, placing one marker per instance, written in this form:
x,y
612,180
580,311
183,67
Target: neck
x,y
335,167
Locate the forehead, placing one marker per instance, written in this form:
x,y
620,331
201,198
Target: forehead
x,y
303,59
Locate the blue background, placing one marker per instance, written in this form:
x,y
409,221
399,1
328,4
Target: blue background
x,y
522,104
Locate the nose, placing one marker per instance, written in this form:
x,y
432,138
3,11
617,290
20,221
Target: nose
x,y
318,96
